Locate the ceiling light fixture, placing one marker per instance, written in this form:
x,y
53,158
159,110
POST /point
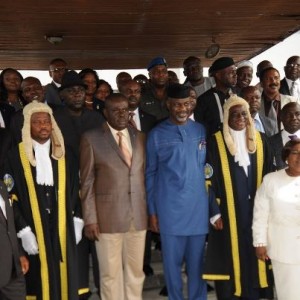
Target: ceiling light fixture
x,y
55,40
213,50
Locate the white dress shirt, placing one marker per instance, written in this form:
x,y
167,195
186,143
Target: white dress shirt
x,y
2,206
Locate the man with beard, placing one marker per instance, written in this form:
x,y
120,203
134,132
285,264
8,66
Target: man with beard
x,y
209,108
290,85
74,119
193,71
290,118
262,123
176,194
154,94
272,100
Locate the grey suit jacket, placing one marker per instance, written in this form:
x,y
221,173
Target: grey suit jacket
x,y
270,125
113,195
9,250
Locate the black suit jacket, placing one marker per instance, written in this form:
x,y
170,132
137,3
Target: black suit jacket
x,y
284,87
147,121
6,111
276,144
6,142
52,94
9,250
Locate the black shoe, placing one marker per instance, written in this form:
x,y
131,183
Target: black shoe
x,y
148,270
209,287
164,291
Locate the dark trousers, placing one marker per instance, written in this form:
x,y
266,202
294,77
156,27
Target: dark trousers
x,y
14,290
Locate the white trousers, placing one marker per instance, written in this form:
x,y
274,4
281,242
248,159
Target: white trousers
x,y
121,257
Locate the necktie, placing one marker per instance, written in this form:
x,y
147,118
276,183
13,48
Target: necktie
x,y
124,149
131,121
293,89
293,137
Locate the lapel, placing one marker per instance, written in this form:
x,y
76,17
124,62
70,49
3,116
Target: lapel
x,y
4,195
109,137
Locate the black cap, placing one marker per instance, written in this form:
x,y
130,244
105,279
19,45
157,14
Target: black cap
x,y
221,63
178,91
71,78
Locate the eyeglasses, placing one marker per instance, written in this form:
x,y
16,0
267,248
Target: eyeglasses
x,y
56,70
293,65
75,90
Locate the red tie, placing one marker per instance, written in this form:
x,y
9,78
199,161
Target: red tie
x,y
124,149
131,121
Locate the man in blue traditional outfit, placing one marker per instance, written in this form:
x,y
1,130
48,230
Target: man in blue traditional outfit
x,y
176,194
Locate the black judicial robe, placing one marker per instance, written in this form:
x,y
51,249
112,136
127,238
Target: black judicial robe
x,y
231,259
53,272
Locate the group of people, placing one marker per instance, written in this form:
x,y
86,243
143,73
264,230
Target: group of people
x,y
89,171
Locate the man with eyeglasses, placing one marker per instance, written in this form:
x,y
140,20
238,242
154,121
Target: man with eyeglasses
x,y
290,85
57,68
74,119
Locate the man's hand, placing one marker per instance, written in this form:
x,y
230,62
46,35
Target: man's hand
x,y
261,253
218,225
153,223
24,264
92,232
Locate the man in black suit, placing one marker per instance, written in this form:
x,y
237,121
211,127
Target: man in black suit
x,y
209,108
262,123
143,122
13,264
290,85
138,118
290,117
57,68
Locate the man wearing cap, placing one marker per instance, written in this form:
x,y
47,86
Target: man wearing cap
x,y
154,95
112,164
193,71
244,72
43,184
176,194
290,85
74,119
209,108
239,157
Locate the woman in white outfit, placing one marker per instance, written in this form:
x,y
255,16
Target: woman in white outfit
x,y
276,223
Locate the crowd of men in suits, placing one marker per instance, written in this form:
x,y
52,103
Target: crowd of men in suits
x,y
140,157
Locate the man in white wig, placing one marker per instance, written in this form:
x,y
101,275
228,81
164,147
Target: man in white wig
x,y
238,157
42,181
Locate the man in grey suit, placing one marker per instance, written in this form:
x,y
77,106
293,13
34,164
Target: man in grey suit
x,y
112,162
13,264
